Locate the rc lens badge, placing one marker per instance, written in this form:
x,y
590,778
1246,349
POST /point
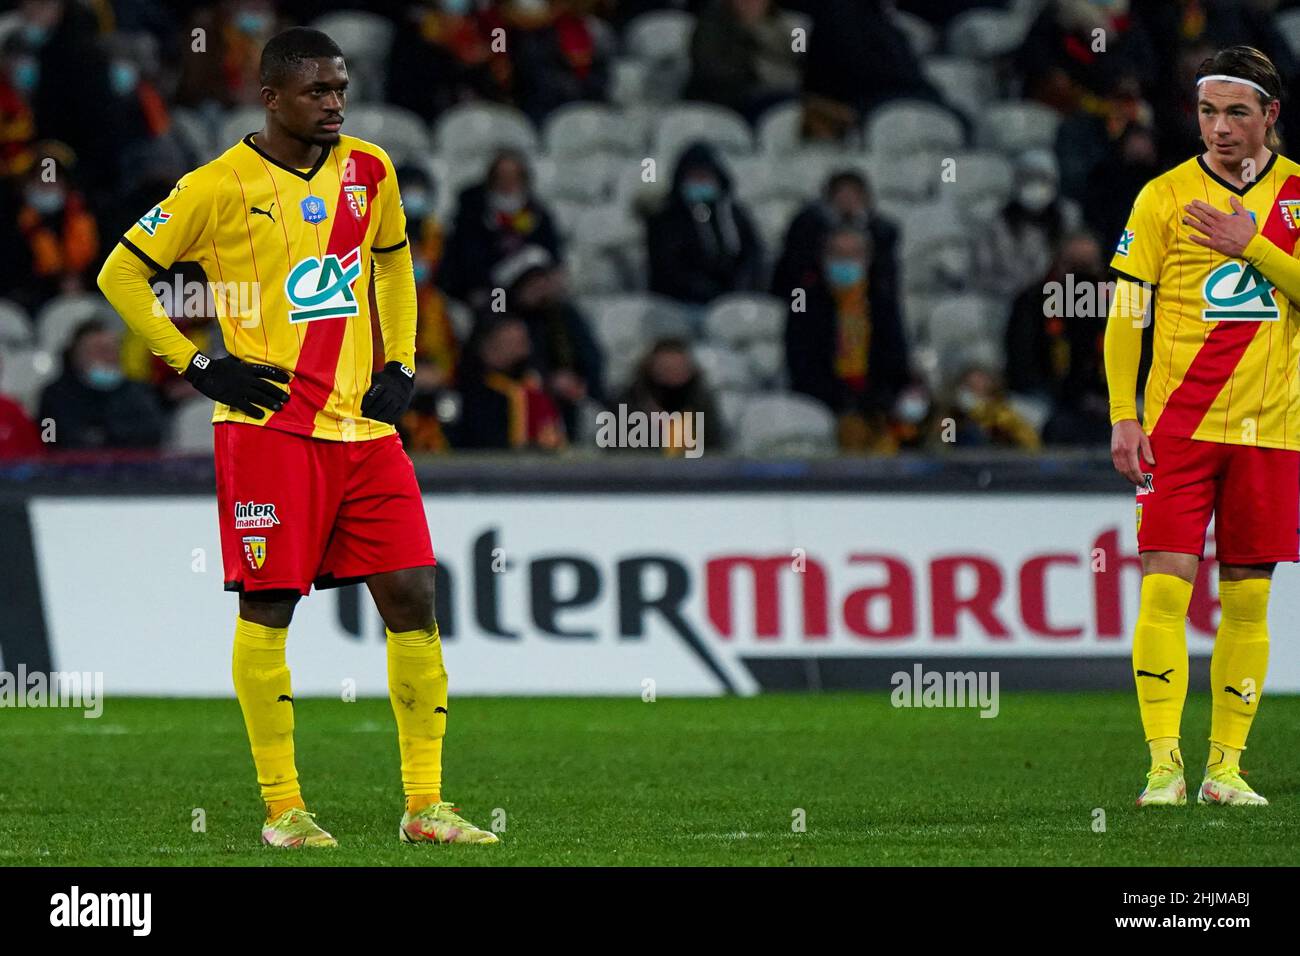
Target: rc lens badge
x,y
255,551
1139,517
356,200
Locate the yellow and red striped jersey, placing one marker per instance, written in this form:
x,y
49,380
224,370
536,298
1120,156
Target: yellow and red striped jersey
x,y
288,255
1225,342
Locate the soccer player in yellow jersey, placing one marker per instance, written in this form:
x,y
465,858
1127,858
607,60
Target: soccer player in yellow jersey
x,y
1213,241
313,485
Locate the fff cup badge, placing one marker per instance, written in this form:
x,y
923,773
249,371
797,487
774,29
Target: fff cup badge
x,y
313,210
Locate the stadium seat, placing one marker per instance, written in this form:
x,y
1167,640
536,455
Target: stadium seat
x,y
627,325
920,35
812,166
26,371
765,176
767,363
15,327
191,427
366,40
772,218
787,425
915,308
679,126
985,34
927,225
912,181
1013,127
461,318
724,367
401,133
238,123
956,325
981,179
608,226
588,179
904,127
778,130
966,84
62,314
1034,410
470,132
1288,24
662,40
196,134
594,272
629,81
582,129
731,405
740,318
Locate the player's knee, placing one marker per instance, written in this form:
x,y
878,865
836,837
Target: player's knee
x,y
412,604
268,608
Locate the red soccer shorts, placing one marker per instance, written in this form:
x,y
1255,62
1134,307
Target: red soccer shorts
x,y
1254,494
298,511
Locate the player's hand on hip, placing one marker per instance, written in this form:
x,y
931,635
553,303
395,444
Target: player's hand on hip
x,y
1130,446
1228,233
389,394
241,385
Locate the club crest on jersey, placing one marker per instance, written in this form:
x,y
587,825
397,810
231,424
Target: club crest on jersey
x,y
1288,208
1237,292
250,514
150,221
1125,241
255,551
313,210
322,288
357,200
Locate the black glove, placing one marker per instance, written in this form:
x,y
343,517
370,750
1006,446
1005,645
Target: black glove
x,y
390,393
241,385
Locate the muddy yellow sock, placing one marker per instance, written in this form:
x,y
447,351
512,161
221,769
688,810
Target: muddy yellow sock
x,y
1238,664
262,686
417,689
1160,654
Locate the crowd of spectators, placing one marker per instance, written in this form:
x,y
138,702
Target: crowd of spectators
x,y
88,138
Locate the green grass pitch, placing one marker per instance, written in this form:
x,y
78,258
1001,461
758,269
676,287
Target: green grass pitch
x,y
673,782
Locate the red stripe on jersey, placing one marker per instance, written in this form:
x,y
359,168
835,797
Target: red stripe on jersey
x,y
318,359
1227,342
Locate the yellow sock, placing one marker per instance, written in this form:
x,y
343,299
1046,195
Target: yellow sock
x,y
417,688
1165,750
1238,664
277,807
1160,654
262,686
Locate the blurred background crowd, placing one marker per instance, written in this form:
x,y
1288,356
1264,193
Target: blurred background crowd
x,y
826,224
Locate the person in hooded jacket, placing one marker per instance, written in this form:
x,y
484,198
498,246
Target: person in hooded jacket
x,y
702,243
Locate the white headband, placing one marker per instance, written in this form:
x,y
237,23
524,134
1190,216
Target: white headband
x,y
1235,79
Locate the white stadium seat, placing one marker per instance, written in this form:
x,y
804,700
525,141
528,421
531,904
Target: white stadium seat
x,y
920,35
25,372
196,134
191,427
980,178
791,425
401,133
15,328
966,84
740,318
723,367
1013,127
985,34
778,130
62,314
679,126
472,131
660,35
238,123
581,129
903,127
366,40
767,363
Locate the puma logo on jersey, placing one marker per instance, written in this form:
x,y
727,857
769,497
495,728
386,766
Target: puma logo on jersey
x,y
268,212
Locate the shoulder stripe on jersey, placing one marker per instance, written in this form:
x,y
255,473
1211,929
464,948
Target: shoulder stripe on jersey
x,y
389,248
141,254
320,162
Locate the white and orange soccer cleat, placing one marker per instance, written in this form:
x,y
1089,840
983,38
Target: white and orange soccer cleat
x,y
438,823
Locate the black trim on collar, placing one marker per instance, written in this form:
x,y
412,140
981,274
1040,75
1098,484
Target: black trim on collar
x,y
324,155
141,254
389,248
1240,191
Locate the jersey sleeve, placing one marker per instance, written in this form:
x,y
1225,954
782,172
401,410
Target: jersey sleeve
x,y
1140,252
390,234
186,218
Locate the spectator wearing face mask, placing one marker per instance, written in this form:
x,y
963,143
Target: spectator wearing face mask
x,y
442,56
50,239
846,201
669,380
564,352
93,404
980,415
226,73
503,404
742,57
18,73
554,56
140,114
494,220
702,242
1018,245
19,436
842,353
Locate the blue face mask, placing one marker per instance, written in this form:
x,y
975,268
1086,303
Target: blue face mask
x,y
457,7
421,272
35,35
104,378
844,272
45,201
252,22
26,74
416,204
123,77
697,192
